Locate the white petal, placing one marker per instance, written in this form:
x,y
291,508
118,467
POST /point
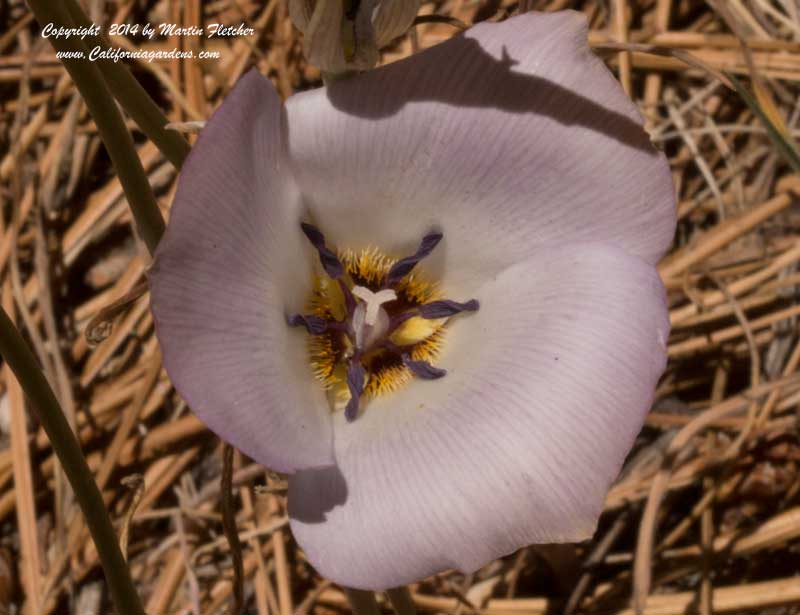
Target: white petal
x,y
233,262
547,386
509,137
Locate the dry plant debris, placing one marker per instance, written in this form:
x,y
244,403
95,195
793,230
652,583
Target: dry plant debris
x,y
705,517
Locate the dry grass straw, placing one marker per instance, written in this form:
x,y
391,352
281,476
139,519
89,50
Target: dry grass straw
x,y
705,517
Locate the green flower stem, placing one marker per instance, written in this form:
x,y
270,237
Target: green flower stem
x,y
112,129
132,96
362,602
20,359
401,600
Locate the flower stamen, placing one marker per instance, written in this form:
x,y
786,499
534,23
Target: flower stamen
x,y
422,369
330,263
355,382
404,266
446,308
375,324
315,325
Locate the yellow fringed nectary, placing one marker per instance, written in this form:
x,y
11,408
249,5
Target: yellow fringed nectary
x,y
385,373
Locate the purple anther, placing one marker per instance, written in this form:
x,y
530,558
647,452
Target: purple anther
x,y
329,260
349,299
398,319
355,382
404,266
392,347
446,308
422,369
313,324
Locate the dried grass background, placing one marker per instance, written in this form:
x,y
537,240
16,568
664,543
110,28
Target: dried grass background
x,y
705,517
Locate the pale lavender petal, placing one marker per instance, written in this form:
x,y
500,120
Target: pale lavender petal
x,y
232,265
507,138
547,386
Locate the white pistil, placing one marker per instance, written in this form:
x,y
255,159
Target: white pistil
x,y
370,321
373,301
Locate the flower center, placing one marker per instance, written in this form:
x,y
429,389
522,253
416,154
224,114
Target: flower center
x,y
374,322
370,322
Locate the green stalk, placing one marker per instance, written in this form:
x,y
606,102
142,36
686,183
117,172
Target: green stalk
x,y
110,125
20,359
119,144
132,96
362,602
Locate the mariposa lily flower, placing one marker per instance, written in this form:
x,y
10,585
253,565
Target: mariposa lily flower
x,y
345,35
428,294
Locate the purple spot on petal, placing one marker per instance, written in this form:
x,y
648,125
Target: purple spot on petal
x,y
423,369
446,308
404,266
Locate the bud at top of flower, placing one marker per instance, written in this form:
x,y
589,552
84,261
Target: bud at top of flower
x,y
344,35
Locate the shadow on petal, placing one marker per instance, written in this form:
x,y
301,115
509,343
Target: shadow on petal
x,y
314,493
461,72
